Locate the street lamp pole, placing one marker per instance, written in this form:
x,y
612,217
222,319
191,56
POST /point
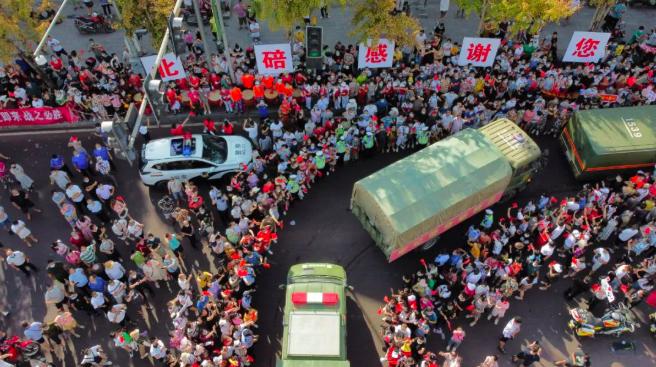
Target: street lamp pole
x,y
201,26
37,51
218,18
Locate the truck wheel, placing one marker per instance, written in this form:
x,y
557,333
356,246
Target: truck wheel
x,y
430,243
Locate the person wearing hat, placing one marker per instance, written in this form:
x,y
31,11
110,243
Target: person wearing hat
x,y
488,219
368,144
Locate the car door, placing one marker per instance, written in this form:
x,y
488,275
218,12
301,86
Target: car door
x,y
192,168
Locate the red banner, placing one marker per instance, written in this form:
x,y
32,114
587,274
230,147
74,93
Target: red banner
x,y
608,97
36,116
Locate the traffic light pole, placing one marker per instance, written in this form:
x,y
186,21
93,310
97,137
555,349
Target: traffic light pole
x,y
218,18
201,26
151,76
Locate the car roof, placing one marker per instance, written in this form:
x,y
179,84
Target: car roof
x,y
162,149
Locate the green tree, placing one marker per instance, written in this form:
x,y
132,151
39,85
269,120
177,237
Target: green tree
x,y
285,14
152,15
524,15
375,19
20,29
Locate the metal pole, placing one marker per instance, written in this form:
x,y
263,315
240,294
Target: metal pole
x,y
37,51
201,26
151,75
218,17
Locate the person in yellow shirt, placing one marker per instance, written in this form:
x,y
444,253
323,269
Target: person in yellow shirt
x,y
299,35
475,249
204,279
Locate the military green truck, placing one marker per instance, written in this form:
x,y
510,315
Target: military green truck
x,y
314,323
603,142
409,203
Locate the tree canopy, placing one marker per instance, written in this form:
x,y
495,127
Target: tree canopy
x,y
525,15
20,27
152,15
285,14
376,19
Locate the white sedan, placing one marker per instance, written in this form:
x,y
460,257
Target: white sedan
x,y
204,155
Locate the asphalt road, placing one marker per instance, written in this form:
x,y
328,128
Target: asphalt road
x,y
324,230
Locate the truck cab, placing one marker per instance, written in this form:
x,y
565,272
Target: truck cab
x,y
520,150
314,320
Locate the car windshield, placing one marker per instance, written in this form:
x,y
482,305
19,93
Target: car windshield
x,y
215,148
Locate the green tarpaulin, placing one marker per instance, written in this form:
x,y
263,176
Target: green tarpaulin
x,y
411,197
605,140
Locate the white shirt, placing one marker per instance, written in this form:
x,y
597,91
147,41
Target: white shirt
x,y
75,193
17,258
54,44
511,329
158,350
626,234
97,300
104,191
116,314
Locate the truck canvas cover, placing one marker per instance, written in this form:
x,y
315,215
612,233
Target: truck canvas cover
x,y
515,144
428,192
603,141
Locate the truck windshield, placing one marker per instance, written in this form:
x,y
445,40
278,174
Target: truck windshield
x,y
304,278
215,148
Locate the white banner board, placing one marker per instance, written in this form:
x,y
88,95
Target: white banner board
x,y
380,55
479,52
586,47
169,69
274,58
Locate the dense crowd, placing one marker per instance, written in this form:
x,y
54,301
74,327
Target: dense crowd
x,y
603,233
110,263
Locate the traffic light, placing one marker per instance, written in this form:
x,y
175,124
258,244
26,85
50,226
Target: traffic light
x,y
175,33
314,39
117,140
313,47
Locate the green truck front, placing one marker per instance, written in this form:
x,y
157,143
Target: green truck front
x,y
409,203
314,320
603,142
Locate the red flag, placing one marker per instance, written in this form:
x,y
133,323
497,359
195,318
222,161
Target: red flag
x,y
386,299
423,262
380,311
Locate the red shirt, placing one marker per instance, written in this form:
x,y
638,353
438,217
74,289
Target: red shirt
x,y
227,129
287,79
268,82
235,94
248,80
177,131
195,81
209,125
135,80
258,91
57,64
183,84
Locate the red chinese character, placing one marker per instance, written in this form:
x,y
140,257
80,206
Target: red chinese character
x,y
477,52
166,68
274,59
586,47
377,54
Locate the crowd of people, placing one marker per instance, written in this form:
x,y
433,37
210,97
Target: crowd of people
x,y
603,233
110,263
